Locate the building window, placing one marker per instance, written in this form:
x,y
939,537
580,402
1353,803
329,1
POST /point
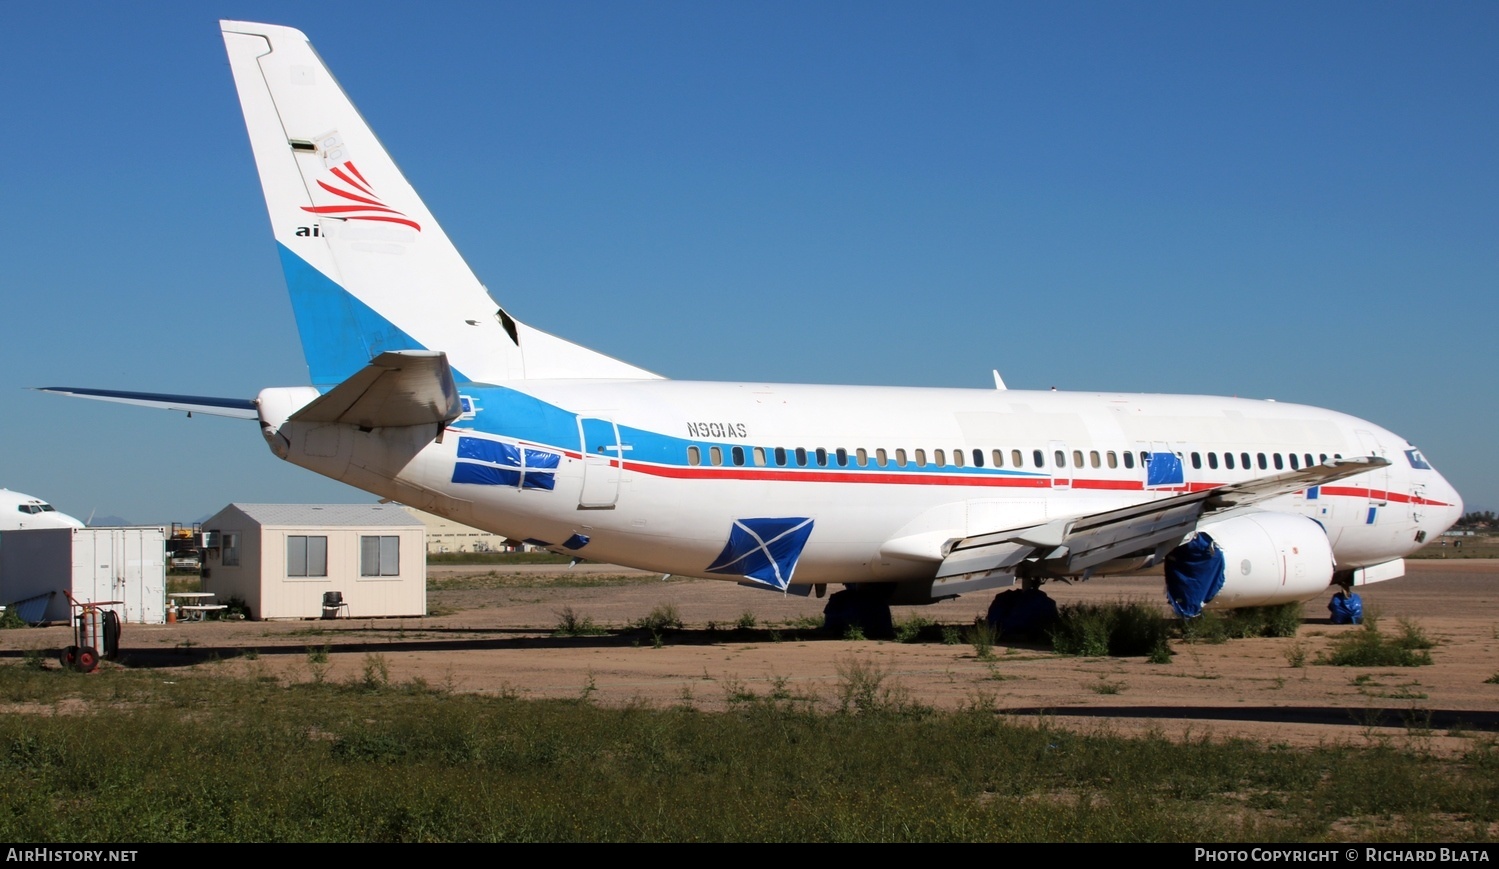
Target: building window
x,y
380,556
231,549
306,555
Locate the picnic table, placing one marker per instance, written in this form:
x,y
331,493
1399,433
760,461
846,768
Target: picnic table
x,y
194,606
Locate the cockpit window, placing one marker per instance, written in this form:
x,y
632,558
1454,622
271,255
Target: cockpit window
x,y
1417,460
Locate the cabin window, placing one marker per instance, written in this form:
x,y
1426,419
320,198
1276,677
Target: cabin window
x,y
1309,461
715,455
1213,461
999,458
1144,459
1264,464
900,458
380,556
957,457
1016,460
1228,461
801,457
1279,462
1197,461
306,555
1112,459
879,456
920,458
780,457
1295,462
1129,459
1244,461
694,456
759,456
1039,458
1093,461
1077,458
861,456
738,454
939,458
978,458
841,457
1061,458
822,457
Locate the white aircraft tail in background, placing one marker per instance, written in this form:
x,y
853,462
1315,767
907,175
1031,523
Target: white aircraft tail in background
x,y
427,392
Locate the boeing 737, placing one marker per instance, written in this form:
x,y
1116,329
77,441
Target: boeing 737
x,y
426,391
19,511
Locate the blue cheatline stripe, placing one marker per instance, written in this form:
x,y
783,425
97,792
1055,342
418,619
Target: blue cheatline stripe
x,y
340,334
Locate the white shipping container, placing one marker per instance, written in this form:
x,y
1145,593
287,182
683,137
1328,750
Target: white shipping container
x,y
94,564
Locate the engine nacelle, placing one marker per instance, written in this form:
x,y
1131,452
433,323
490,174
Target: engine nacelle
x,y
1271,558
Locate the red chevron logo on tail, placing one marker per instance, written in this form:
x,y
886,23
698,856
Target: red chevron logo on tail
x,y
366,204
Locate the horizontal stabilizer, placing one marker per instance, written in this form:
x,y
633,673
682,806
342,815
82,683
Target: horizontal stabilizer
x,y
1075,545
238,408
399,388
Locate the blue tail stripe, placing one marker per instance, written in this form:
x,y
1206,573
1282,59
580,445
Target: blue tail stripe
x,y
340,334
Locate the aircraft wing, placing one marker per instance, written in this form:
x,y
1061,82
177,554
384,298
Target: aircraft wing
x,y
238,408
1075,545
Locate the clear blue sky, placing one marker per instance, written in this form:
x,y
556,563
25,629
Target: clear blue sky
x,y
1294,201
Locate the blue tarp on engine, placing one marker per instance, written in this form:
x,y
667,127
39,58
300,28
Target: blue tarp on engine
x,y
1021,611
1194,575
1346,609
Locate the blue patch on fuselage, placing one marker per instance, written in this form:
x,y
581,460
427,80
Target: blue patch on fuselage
x,y
493,463
765,550
1165,469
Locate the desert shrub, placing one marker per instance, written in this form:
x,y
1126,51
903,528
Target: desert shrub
x,y
1369,647
1120,629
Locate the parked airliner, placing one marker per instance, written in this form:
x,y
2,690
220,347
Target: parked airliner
x,y
19,510
426,391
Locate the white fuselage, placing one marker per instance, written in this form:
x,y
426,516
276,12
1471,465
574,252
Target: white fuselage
x,y
21,511
654,473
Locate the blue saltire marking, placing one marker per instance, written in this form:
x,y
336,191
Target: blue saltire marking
x,y
492,463
764,550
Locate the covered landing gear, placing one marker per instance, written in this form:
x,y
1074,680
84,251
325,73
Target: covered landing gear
x,y
1347,608
1021,612
866,607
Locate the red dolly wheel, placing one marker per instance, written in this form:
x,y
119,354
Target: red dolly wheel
x,y
69,657
88,660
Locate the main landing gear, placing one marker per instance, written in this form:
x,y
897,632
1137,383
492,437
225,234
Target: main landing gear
x,y
864,607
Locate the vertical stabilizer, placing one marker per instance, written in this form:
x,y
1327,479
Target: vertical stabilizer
x,y
368,267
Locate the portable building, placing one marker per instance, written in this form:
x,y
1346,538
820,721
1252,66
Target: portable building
x,y
93,564
283,560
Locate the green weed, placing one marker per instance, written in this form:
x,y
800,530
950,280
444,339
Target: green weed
x,y
1369,647
913,629
663,617
1120,629
571,624
981,635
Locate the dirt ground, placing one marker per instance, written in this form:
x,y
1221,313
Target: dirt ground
x,y
500,640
